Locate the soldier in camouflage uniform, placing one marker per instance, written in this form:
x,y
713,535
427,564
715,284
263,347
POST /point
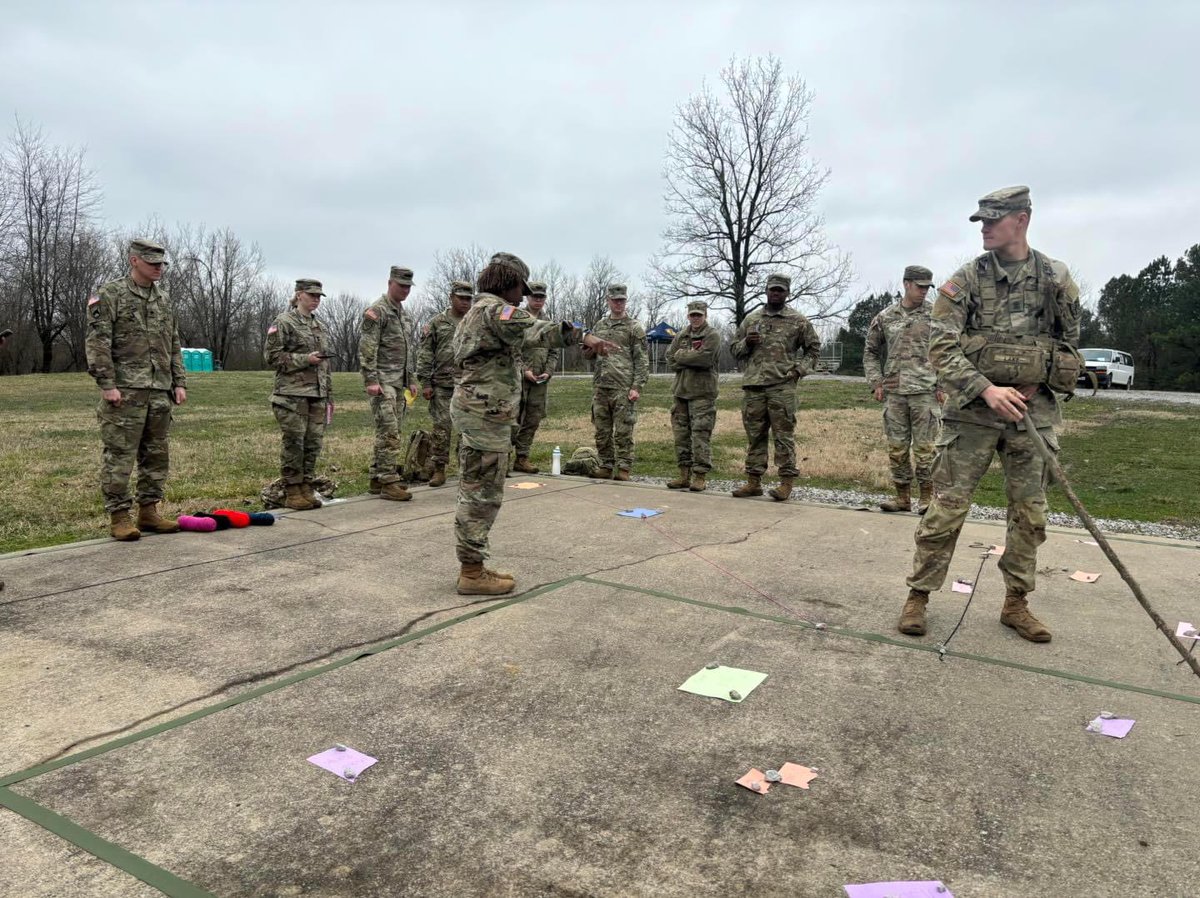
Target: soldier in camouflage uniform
x,y
133,353
776,346
617,384
388,368
693,356
537,366
1005,337
435,371
896,362
297,348
487,344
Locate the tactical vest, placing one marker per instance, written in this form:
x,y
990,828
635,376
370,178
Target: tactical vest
x,y
1009,355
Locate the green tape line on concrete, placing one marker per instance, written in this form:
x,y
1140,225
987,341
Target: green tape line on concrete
x,y
887,640
23,775
165,882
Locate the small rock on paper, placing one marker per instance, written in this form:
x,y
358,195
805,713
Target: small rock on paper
x,y
1117,727
1187,631
1085,577
338,762
719,682
754,775
639,512
963,586
926,889
526,485
796,775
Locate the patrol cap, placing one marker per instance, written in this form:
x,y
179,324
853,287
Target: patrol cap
x,y
461,288
919,274
514,263
1003,202
617,291
698,305
779,280
401,275
147,250
308,285
537,288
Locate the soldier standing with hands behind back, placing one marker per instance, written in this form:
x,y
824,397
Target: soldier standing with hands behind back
x,y
907,383
388,368
1005,338
777,346
617,385
133,353
298,349
435,371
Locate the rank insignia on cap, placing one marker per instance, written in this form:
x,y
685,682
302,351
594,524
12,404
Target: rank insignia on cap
x,y
950,288
272,329
92,300
507,312
372,314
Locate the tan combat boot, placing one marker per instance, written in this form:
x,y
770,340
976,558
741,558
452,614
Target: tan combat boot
x,y
1016,614
681,482
523,466
622,474
752,487
310,494
475,580
603,474
295,497
912,617
121,527
783,492
149,520
439,476
925,498
902,502
499,575
395,491
376,487
699,483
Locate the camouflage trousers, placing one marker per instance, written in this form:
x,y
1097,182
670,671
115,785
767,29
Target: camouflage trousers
x,y
480,493
613,417
913,421
439,415
533,410
388,409
692,423
302,420
767,410
965,452
134,431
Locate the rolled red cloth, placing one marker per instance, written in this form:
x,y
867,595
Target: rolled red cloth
x,y
199,525
236,518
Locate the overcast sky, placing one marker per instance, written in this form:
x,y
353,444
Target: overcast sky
x,y
345,137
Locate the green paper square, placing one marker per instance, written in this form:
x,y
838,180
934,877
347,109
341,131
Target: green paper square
x,y
717,682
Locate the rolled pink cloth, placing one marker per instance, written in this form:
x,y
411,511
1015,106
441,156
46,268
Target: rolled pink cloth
x,y
200,525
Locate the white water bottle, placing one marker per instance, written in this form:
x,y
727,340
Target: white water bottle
x,y
556,462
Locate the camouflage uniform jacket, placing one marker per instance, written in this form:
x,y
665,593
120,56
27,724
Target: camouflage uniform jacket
x,y
627,368
903,336
133,338
538,359
435,360
487,391
693,356
981,298
384,342
290,341
788,351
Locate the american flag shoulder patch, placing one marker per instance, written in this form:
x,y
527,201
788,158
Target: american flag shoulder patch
x,y
950,288
92,300
372,314
507,312
272,329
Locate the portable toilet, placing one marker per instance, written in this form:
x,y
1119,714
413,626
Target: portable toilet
x,y
197,359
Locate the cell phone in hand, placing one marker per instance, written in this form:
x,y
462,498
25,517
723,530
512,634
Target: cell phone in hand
x,y
542,378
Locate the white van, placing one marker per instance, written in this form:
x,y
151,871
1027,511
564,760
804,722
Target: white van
x,y
1112,367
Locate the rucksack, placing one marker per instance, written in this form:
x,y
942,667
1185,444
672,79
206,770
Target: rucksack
x,y
416,457
274,494
584,462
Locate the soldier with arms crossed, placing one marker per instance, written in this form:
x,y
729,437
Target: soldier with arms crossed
x,y
1005,332
693,356
435,371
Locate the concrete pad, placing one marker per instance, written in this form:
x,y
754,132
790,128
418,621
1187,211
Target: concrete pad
x,y
544,749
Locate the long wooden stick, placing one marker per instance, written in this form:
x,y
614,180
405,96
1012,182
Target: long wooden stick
x,y
1090,524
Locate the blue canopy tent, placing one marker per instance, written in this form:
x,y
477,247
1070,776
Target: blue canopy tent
x,y
662,333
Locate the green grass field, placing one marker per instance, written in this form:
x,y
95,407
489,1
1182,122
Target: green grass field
x,y
1128,461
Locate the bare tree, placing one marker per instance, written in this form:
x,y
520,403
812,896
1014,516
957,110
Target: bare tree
x,y
342,316
56,200
741,193
592,304
268,298
215,276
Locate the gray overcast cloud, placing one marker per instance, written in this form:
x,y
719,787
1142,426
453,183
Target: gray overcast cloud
x,y
346,137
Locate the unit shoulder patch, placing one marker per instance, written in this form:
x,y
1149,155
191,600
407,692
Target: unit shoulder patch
x,y
372,314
